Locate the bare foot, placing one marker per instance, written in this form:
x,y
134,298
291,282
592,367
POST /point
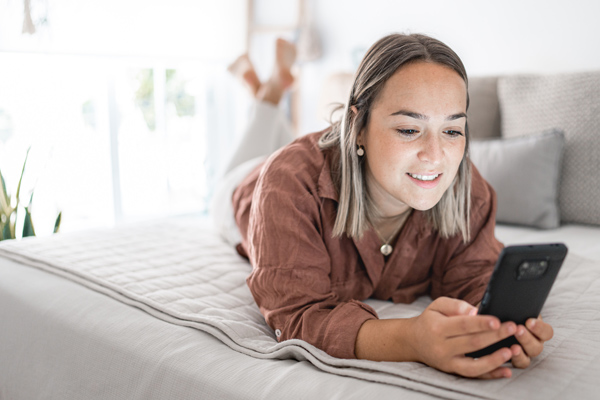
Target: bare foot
x,y
243,69
285,56
281,78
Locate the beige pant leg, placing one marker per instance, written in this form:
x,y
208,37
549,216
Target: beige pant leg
x,y
267,131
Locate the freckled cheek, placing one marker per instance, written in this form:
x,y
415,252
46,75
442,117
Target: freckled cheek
x,y
391,159
458,152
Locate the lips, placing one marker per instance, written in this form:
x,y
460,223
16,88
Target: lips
x,y
426,181
424,177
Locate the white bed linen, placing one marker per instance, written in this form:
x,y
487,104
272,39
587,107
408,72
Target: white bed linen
x,y
20,306
60,340
582,240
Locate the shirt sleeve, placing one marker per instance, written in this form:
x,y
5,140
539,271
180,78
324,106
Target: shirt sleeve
x,y
462,270
290,280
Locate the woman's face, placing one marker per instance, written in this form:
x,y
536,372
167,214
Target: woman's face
x,y
415,139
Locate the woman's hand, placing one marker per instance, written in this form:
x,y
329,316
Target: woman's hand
x,y
440,337
449,328
531,337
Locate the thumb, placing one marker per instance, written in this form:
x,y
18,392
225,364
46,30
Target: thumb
x,y
451,307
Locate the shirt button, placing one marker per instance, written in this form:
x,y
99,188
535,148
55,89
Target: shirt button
x,y
277,332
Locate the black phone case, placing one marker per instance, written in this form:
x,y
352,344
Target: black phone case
x,y
509,296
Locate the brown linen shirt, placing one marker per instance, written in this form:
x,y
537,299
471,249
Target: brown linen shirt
x,y
309,285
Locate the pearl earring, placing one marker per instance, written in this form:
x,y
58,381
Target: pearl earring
x,y
360,151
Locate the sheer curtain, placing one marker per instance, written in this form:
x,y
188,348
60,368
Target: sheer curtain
x,y
126,105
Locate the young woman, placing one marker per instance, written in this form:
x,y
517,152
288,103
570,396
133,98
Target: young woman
x,y
383,204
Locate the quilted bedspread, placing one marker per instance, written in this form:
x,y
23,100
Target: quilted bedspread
x,y
183,273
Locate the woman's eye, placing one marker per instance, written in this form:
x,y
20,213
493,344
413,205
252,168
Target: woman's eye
x,y
454,133
407,132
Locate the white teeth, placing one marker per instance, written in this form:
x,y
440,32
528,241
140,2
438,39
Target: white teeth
x,y
424,177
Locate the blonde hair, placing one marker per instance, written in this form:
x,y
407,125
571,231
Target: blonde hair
x,y
355,209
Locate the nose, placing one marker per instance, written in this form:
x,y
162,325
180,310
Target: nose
x,y
431,150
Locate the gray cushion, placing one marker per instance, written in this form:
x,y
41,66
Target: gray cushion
x,y
484,109
570,102
525,173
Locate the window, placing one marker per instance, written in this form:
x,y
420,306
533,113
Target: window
x,y
124,123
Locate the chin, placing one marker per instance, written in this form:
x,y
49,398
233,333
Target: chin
x,y
425,204
423,208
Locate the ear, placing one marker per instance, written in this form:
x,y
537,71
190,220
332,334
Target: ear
x,y
360,134
359,138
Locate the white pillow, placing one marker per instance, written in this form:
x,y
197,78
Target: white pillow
x,y
525,173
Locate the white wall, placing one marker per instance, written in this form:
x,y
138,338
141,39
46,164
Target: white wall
x,y
491,37
188,29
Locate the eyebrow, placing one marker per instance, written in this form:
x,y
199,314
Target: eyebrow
x,y
425,117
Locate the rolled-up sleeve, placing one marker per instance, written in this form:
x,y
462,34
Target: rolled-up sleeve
x,y
290,280
462,270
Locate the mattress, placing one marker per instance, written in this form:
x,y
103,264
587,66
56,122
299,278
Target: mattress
x,y
75,341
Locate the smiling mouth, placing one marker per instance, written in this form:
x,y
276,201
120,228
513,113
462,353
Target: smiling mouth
x,y
424,178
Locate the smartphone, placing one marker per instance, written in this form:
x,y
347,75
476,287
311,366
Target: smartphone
x,y
519,286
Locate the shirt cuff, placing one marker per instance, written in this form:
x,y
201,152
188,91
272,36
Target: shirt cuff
x,y
475,295
342,330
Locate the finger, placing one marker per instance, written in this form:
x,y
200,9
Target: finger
x,y
498,373
465,325
450,307
531,345
476,367
540,329
519,358
468,343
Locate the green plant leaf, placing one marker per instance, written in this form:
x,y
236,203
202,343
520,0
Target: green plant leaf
x,y
13,227
5,207
28,224
4,199
16,209
4,192
21,178
57,223
6,231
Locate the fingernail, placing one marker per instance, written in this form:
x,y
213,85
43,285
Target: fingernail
x,y
494,324
531,323
511,329
520,331
507,354
518,352
473,311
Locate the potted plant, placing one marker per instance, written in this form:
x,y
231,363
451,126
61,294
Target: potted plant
x,y
9,211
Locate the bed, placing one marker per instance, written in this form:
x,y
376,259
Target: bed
x,y
64,338
159,310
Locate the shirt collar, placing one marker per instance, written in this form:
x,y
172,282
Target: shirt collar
x,y
325,184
